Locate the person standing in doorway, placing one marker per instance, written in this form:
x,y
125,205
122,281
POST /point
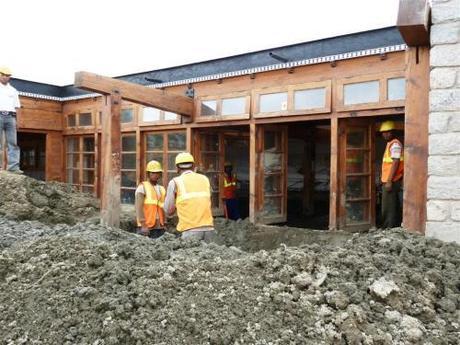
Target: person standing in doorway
x,y
9,105
392,177
190,194
150,197
231,206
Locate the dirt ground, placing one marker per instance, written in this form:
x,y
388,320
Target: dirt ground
x,y
88,284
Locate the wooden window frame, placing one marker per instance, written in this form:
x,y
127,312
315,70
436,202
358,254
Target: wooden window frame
x,y
77,119
160,122
383,92
80,185
122,152
219,99
133,121
290,90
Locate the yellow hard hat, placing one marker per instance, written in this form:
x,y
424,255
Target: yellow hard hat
x,y
387,126
184,157
5,70
153,166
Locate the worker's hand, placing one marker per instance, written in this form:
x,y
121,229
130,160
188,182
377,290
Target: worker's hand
x,y
388,186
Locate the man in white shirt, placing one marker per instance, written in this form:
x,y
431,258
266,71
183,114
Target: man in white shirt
x,y
9,103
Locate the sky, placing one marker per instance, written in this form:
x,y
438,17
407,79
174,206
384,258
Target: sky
x,y
49,40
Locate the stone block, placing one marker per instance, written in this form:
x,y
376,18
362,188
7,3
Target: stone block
x,y
438,210
444,187
443,11
443,165
444,231
445,55
443,77
455,211
444,100
444,144
444,122
445,33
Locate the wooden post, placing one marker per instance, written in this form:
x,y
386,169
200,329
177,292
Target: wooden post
x,y
252,172
334,176
416,139
110,169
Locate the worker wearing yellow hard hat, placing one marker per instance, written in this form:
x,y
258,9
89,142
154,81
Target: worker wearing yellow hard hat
x,y
9,105
150,197
190,195
231,205
392,176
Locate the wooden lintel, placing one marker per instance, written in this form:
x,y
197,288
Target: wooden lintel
x,y
136,93
413,22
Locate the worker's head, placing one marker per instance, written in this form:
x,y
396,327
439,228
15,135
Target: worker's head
x,y
387,128
184,161
5,75
154,171
228,168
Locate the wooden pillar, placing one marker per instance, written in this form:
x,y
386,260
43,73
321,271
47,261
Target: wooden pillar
x,y
110,170
334,176
189,140
416,139
252,172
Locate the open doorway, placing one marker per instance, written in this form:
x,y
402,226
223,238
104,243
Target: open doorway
x,y
308,175
33,154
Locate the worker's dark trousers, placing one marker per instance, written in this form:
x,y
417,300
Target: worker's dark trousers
x,y
391,206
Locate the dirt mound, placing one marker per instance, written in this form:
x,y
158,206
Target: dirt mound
x,y
88,284
24,198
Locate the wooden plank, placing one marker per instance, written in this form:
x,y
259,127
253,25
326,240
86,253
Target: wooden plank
x,y
111,159
413,22
416,140
252,172
54,156
135,93
334,176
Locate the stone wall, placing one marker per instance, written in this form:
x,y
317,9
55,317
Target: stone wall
x,y
443,208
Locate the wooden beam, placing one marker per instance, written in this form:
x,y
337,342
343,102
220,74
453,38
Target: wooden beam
x,y
334,176
416,139
252,172
147,96
413,22
111,161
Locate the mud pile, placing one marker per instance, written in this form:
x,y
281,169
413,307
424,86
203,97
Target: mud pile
x,y
24,198
87,284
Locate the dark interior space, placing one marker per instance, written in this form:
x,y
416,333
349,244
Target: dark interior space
x,y
33,154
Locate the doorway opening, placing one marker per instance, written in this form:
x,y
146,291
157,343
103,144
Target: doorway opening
x,y
33,154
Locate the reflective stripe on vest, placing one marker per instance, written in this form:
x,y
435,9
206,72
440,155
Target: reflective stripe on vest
x,y
387,161
152,205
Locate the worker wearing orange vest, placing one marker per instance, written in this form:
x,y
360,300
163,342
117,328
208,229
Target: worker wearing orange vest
x,y
190,194
231,207
392,176
150,197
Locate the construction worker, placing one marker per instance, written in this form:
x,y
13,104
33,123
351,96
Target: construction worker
x,y
150,197
392,177
9,104
190,194
231,207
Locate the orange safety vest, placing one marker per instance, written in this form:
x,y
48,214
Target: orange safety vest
x,y
388,161
153,205
230,187
193,201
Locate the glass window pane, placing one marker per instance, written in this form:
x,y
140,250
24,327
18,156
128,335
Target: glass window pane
x,y
215,200
208,108
127,115
73,161
154,142
176,141
366,92
73,176
128,179
396,89
273,102
234,106
157,156
357,187
88,144
150,114
127,196
170,116
88,161
128,161
356,212
88,176
209,162
213,181
272,184
357,161
270,140
85,119
310,99
128,143
72,145
172,161
71,120
272,161
357,137
209,143
272,206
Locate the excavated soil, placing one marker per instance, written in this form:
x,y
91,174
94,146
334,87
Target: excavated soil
x,y
88,284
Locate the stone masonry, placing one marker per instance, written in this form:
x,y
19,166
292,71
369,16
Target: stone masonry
x,y
443,206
